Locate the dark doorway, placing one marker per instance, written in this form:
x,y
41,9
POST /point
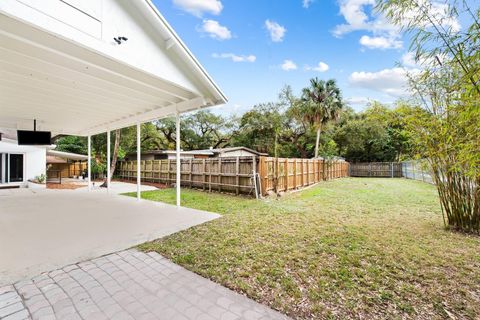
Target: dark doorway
x,y
16,167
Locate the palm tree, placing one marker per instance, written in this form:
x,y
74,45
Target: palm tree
x,y
322,103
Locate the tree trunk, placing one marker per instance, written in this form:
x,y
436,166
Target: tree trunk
x,y
113,164
317,143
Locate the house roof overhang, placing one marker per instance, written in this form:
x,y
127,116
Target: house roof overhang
x,y
75,90
67,155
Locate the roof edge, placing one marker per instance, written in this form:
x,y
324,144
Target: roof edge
x,y
188,55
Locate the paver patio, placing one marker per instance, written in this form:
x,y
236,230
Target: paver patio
x,y
126,285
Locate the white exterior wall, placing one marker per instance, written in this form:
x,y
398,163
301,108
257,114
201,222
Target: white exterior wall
x,y
94,24
34,161
236,153
172,156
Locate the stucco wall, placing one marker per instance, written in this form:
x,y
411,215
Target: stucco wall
x,y
34,161
236,153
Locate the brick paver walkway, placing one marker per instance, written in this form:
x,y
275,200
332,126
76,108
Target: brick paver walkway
x,y
126,285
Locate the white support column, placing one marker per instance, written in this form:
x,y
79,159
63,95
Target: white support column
x,y
89,168
108,161
138,162
177,137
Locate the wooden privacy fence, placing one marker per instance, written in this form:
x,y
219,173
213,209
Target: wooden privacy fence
x,y
376,169
66,170
237,174
283,174
232,174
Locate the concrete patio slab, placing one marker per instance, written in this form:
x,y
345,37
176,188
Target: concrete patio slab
x,y
126,285
47,229
116,187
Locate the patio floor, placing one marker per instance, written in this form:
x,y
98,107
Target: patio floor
x,y
41,230
126,285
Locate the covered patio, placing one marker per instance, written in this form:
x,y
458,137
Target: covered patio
x,y
83,86
70,77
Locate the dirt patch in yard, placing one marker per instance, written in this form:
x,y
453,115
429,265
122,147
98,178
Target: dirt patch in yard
x,y
64,186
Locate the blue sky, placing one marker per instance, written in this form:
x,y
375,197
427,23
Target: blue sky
x,y
252,48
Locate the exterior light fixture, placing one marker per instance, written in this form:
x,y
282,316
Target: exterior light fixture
x,y
119,40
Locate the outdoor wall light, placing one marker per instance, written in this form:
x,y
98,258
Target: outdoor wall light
x,y
119,40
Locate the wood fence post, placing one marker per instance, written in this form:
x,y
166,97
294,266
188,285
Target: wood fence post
x,y
210,175
285,168
219,174
237,177
254,172
302,172
276,175
190,174
168,171
204,176
308,174
294,173
262,173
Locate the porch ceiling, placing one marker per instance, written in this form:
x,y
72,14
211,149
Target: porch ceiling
x,y
71,89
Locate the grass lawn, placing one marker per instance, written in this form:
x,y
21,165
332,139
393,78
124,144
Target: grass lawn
x,y
350,248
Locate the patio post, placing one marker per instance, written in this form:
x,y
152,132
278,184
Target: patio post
x,y
138,162
89,164
108,161
177,156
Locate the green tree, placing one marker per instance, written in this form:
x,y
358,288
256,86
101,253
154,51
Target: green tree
x,y
198,130
322,102
260,128
446,130
72,144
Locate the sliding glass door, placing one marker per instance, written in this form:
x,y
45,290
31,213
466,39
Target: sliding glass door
x,y
16,167
11,167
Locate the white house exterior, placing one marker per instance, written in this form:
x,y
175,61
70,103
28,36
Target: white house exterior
x,y
84,67
236,152
192,154
64,54
20,163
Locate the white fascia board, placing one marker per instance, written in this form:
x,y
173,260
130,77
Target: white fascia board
x,y
175,43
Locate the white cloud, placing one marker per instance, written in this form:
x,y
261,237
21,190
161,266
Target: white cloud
x,y
277,32
438,10
321,67
408,59
288,65
383,43
306,3
234,57
389,81
358,101
411,61
356,18
199,7
360,15
215,30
